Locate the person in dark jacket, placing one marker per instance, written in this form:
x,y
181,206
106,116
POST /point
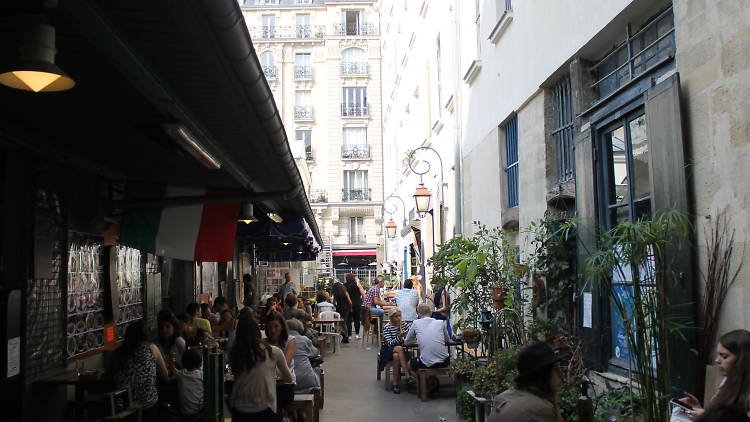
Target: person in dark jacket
x,y
356,293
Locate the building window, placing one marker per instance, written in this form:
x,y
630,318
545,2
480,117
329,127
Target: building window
x,y
356,230
511,160
563,131
354,62
269,26
267,62
304,137
354,143
355,186
639,52
354,102
302,66
352,22
303,26
302,105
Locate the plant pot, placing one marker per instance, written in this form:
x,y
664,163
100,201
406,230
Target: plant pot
x,y
482,407
498,297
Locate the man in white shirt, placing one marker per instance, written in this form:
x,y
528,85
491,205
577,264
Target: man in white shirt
x,y
407,300
432,337
288,286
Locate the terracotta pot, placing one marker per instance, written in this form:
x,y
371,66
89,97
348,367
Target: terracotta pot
x,y
498,297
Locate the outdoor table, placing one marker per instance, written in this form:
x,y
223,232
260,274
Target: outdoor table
x,y
327,321
86,380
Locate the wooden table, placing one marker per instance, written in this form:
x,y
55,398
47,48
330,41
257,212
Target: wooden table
x,y
80,382
327,321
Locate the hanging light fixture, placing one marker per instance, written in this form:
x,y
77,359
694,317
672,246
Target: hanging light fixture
x,y
422,199
390,229
246,214
275,217
36,69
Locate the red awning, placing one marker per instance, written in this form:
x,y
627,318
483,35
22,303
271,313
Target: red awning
x,y
356,252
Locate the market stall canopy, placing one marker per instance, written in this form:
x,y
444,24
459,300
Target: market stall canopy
x,y
278,242
166,93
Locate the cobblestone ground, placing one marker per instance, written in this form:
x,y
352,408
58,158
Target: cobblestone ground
x,y
354,394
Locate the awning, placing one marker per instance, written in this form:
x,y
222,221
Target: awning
x,y
275,242
355,252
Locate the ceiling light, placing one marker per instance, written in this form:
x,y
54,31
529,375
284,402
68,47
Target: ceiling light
x,y
246,214
285,243
275,217
190,144
36,69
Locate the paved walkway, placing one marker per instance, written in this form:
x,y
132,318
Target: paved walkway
x,y
354,394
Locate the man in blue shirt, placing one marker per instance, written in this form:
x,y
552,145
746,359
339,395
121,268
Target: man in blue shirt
x,y
407,300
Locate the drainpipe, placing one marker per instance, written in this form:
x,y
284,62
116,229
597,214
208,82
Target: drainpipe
x,y
457,151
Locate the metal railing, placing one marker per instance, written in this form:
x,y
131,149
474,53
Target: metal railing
x,y
270,71
355,151
287,32
302,73
563,131
303,113
318,196
355,239
508,5
354,110
309,154
356,194
354,69
354,29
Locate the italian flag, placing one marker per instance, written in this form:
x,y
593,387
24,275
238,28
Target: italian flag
x,y
201,233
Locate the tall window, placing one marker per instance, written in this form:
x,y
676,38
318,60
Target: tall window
x,y
354,62
269,26
354,102
563,131
267,62
302,105
511,160
356,230
304,137
354,143
303,26
355,186
302,66
352,22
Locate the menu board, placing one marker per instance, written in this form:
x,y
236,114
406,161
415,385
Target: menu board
x,y
130,285
85,299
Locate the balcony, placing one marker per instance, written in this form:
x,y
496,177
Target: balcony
x,y
354,29
355,151
318,196
356,239
309,154
303,73
287,32
303,113
354,69
356,194
270,72
355,110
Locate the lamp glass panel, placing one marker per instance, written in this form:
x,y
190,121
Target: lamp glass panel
x,y
422,203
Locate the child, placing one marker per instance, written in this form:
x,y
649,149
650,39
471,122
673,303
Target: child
x,y
190,383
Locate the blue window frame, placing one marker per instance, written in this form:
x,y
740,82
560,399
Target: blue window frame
x,y
511,160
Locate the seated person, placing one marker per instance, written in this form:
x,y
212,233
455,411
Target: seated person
x,y
194,310
301,304
190,383
324,303
372,300
432,337
208,315
307,377
272,305
537,384
290,307
393,338
407,300
193,335
311,332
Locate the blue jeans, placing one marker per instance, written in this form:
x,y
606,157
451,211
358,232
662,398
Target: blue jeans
x,y
378,311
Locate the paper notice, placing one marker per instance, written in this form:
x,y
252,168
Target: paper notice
x,y
14,356
587,310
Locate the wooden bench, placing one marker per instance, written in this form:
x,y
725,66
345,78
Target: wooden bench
x,y
307,404
422,375
388,373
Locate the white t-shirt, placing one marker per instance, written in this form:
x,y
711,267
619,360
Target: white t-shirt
x,y
431,335
190,386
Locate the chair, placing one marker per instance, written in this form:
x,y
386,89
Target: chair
x,y
118,405
329,330
372,321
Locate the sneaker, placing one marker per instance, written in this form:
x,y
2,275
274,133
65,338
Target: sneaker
x,y
357,336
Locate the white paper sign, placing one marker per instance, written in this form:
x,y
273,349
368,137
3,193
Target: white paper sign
x,y
309,280
14,356
587,310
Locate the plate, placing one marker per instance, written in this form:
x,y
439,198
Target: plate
x,y
72,304
89,321
80,326
72,346
71,327
98,321
81,303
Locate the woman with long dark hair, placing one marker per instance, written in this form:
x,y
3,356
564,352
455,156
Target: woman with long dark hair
x,y
170,341
356,293
733,360
535,397
254,364
343,306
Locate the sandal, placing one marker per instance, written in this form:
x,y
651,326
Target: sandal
x,y
411,380
396,389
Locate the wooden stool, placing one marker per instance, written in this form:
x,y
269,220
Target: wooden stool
x,y
422,374
306,403
388,371
365,324
374,319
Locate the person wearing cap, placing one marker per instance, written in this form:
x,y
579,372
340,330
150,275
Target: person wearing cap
x,y
534,399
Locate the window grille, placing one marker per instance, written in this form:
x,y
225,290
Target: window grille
x,y
511,159
563,131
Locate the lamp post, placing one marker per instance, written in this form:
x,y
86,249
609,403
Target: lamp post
x,y
390,226
422,198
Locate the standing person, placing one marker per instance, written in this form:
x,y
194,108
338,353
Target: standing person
x,y
443,308
733,360
343,306
356,293
373,300
407,300
247,286
288,286
255,364
534,399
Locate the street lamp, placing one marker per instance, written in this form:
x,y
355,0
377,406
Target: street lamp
x,y
390,228
422,195
422,198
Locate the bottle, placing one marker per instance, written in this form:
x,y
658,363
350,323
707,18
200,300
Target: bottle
x,y
585,407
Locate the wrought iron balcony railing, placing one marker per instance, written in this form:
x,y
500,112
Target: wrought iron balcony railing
x,y
356,194
303,73
354,110
303,113
287,32
354,29
309,154
355,151
354,69
270,71
318,196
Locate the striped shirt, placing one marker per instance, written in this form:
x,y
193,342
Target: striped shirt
x,y
390,334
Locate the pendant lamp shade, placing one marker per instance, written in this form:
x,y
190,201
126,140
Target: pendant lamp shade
x,y
246,214
390,229
36,69
422,199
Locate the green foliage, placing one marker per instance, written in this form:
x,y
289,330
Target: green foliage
x,y
485,381
463,366
617,400
465,404
503,364
567,400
